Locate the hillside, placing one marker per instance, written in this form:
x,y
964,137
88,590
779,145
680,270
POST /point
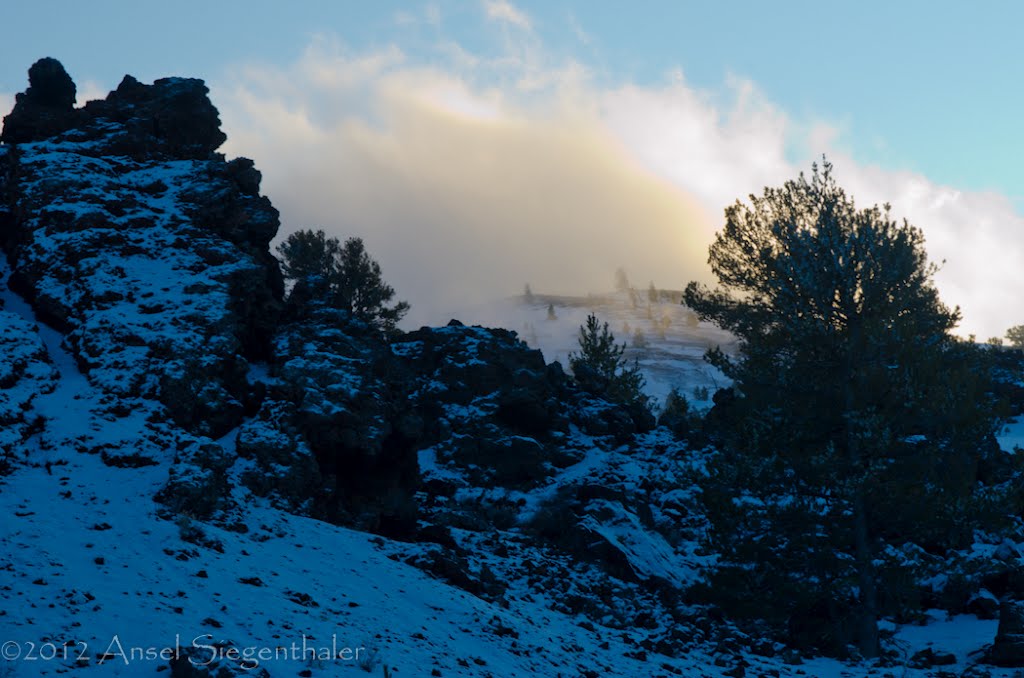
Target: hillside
x,y
190,467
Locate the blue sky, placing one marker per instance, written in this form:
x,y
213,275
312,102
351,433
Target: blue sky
x,y
450,118
932,87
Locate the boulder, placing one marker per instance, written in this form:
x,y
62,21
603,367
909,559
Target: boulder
x,y
1006,552
983,605
46,108
173,117
929,657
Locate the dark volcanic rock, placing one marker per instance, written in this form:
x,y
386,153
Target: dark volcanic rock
x,y
489,402
173,117
340,399
45,108
127,231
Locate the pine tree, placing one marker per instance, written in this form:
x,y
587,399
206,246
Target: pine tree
x,y
342,276
850,391
1015,335
601,368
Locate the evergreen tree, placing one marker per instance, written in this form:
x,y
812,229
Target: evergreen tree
x,y
675,413
857,417
1015,335
309,259
601,368
343,276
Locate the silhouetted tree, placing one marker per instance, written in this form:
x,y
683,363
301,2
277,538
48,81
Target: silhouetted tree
x,y
857,417
344,276
1015,335
601,368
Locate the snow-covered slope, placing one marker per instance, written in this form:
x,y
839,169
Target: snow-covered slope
x,y
95,574
92,575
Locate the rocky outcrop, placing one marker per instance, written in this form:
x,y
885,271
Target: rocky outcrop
x,y
336,433
173,118
491,405
46,108
127,231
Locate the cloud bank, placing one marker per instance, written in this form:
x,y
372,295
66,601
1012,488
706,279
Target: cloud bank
x,y
464,194
470,174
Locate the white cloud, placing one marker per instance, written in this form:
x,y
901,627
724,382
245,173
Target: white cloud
x,y
577,29
6,105
88,91
505,12
462,192
973,236
470,178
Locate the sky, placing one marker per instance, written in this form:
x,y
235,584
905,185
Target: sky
x,y
479,145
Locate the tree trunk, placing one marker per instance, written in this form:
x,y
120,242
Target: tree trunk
x,y
867,626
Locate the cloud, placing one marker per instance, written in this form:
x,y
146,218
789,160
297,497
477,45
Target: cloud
x,y
721,153
478,173
505,12
577,29
460,192
89,91
973,236
6,105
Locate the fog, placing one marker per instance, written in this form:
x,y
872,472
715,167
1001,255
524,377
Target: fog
x,y
462,198
469,179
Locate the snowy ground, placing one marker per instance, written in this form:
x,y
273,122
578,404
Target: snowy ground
x,y
1011,436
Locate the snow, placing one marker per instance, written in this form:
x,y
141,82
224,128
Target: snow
x,y
68,578
647,553
1011,436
